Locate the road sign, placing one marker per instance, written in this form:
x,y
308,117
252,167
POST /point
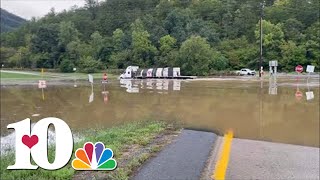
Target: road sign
x,y
42,84
299,69
90,78
310,69
299,95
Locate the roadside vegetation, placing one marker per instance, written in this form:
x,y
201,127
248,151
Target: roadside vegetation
x,y
9,76
199,36
132,144
5,75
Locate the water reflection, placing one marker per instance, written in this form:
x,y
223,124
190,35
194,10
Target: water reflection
x,y
309,93
129,85
91,97
273,86
152,85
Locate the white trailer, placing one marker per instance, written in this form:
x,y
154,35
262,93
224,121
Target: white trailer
x,y
149,72
176,72
165,72
159,72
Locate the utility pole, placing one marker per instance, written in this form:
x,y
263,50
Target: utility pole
x,y
261,18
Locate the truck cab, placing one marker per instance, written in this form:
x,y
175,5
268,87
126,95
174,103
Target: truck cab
x,y
129,72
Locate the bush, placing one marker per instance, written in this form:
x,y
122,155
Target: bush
x,y
66,66
89,65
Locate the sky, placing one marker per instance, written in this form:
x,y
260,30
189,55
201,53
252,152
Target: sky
x,y
37,8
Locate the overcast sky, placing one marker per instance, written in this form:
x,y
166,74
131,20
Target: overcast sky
x,y
37,8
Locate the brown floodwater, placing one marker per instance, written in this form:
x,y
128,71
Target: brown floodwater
x,y
267,111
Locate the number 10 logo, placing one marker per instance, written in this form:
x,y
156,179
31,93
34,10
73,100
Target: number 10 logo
x,y
35,143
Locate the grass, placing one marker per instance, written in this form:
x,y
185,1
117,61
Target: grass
x,y
116,138
11,77
5,75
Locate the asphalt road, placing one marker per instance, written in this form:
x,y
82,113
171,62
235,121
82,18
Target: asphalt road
x,y
251,159
183,159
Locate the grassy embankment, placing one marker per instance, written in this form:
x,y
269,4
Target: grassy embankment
x,y
9,76
131,143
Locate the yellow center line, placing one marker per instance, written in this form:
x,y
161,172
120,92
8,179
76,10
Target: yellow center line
x,y
222,163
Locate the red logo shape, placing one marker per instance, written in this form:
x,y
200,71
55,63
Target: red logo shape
x,y
30,141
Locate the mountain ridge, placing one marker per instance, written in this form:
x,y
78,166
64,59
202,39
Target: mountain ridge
x,y
10,21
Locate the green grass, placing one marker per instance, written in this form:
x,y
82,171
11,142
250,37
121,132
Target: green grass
x,y
6,75
12,77
115,138
85,76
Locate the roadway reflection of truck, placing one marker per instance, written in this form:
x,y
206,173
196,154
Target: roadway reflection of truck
x,y
159,85
127,83
133,72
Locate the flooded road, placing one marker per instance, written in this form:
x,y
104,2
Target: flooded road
x,y
276,111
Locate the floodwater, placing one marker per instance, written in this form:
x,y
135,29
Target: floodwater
x,y
285,111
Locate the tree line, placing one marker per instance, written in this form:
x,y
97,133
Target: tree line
x,y
200,36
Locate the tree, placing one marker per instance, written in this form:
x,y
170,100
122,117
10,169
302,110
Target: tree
x,y
273,38
97,44
292,55
238,58
195,55
118,33
218,62
118,40
292,29
203,29
91,5
312,45
66,66
142,49
168,53
6,53
167,43
45,44
121,59
89,65
176,22
67,33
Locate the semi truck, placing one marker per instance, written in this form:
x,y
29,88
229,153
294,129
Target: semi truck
x,y
132,72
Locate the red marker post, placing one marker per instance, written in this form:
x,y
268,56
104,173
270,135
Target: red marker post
x,y
105,77
299,70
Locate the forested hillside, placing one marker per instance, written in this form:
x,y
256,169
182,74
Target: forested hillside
x,y
10,21
200,36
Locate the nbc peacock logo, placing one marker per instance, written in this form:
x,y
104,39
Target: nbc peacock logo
x,y
94,157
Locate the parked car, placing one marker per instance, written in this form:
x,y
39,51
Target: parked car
x,y
243,72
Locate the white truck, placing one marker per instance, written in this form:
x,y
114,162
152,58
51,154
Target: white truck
x,y
129,73
135,72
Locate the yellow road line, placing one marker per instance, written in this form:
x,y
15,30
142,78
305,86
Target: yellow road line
x,y
222,163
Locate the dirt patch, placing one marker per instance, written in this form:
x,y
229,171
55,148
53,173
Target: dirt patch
x,y
132,157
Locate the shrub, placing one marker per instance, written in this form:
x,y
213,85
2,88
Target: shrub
x,y
89,65
66,66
